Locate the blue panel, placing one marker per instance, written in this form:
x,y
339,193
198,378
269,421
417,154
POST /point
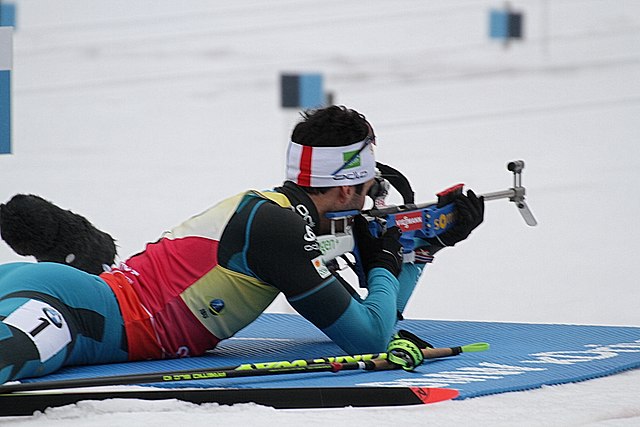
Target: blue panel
x,y
498,24
311,91
5,112
521,357
7,15
515,25
290,90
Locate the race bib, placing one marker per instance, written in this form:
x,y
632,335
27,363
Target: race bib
x,y
44,325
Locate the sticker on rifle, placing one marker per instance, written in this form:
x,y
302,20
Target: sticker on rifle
x,y
409,221
322,269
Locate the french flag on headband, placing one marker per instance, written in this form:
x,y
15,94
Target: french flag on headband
x,y
331,166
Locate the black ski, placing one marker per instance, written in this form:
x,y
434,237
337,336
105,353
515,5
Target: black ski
x,y
26,403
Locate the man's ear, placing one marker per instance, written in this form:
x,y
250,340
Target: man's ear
x,y
345,193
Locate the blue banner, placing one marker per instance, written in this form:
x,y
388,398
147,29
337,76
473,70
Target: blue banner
x,y
303,91
6,56
5,112
7,14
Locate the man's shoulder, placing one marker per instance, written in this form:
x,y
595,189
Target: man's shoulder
x,y
275,212
274,196
280,213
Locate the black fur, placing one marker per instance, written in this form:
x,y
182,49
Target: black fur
x,y
32,226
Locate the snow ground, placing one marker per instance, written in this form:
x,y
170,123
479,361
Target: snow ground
x,y
140,114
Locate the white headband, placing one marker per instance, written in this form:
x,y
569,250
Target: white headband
x,y
331,166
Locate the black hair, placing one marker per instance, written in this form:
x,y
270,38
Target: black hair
x,y
334,126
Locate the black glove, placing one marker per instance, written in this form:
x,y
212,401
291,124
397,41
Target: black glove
x,y
469,211
384,251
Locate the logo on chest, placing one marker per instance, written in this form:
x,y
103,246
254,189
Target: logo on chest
x,y
215,308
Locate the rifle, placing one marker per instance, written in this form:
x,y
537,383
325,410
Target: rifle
x,y
422,220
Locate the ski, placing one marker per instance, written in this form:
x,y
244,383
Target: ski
x,y
26,403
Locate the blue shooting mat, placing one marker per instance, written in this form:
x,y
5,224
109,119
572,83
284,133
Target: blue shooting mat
x,y
521,357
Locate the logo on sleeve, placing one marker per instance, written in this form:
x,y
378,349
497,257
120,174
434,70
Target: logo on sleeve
x,y
320,267
309,235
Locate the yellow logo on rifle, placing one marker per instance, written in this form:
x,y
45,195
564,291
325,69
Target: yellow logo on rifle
x,y
443,220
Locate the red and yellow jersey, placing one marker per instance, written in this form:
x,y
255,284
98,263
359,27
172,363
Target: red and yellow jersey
x,y
191,301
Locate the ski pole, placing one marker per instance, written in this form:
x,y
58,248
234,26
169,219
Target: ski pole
x,y
366,362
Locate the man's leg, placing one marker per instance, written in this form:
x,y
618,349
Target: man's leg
x,y
53,315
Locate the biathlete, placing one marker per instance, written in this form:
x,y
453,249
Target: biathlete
x,y
215,273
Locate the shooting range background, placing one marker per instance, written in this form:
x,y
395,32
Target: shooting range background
x,y
141,114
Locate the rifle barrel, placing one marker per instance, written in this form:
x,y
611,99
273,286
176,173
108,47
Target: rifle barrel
x,y
506,194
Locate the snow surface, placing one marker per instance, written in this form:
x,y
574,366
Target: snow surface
x,y
140,114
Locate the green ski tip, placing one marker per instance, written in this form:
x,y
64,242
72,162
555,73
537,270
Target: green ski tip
x,y
475,347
